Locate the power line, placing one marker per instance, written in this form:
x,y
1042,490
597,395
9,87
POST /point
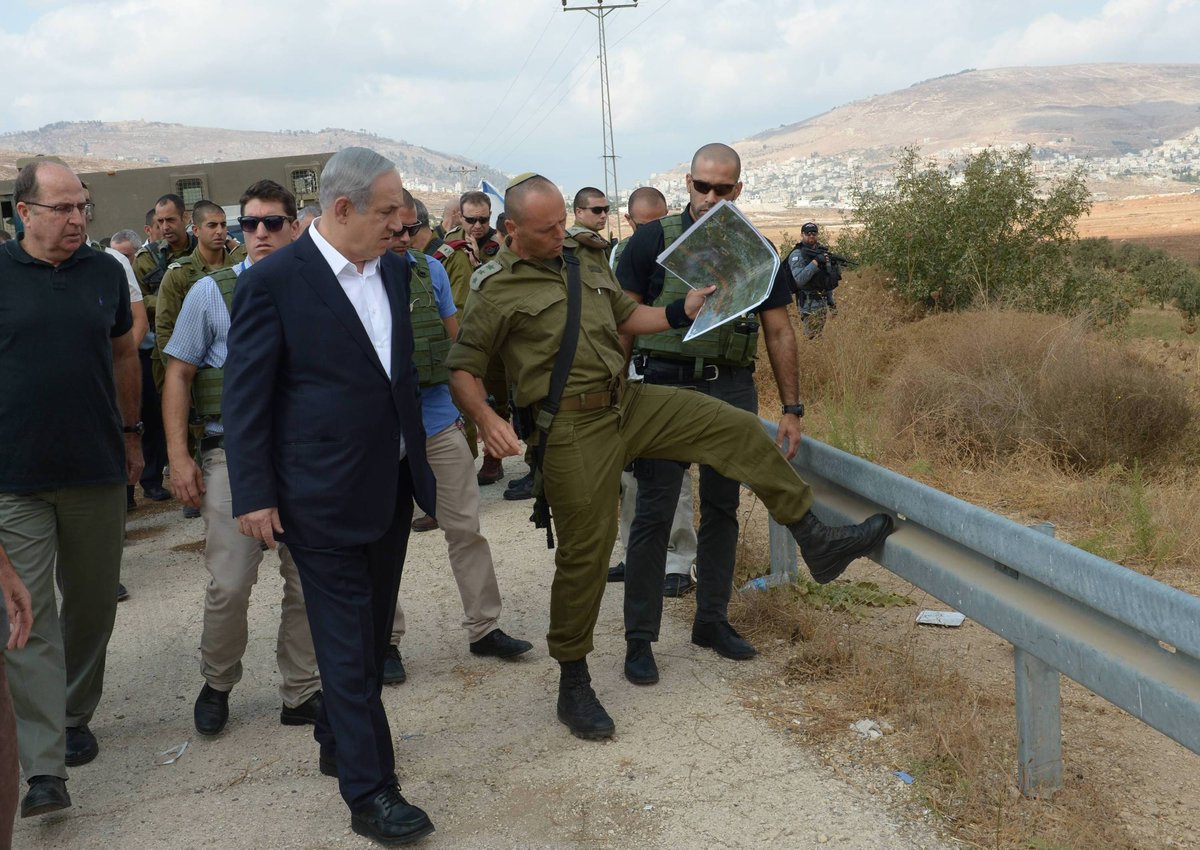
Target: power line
x,y
600,12
579,80
512,83
500,134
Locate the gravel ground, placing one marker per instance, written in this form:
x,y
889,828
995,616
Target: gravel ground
x,y
478,745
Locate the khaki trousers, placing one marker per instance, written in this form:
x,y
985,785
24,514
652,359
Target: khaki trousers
x,y
232,560
585,453
681,548
57,679
468,550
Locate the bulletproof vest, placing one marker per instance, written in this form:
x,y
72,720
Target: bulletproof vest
x,y
617,251
153,279
209,381
732,344
431,343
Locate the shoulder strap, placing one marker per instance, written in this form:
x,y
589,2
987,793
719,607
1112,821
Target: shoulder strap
x,y
558,382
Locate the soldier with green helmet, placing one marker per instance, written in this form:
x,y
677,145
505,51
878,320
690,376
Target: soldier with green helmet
x,y
195,358
518,310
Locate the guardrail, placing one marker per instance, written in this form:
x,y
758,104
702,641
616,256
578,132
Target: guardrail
x,y
1128,638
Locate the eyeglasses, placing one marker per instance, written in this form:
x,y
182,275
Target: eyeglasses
x,y
410,229
719,189
274,223
481,219
600,210
65,209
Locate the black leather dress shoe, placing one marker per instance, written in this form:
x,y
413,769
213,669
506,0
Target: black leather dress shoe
x,y
722,638
81,745
122,592
499,645
617,573
640,667
327,762
306,713
391,820
828,550
46,794
676,585
393,667
212,711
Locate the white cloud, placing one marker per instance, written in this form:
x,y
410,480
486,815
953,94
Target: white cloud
x,y
684,72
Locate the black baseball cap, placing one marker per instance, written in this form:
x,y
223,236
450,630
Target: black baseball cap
x,y
809,227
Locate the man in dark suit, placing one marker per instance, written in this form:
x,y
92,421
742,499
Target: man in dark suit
x,y
326,453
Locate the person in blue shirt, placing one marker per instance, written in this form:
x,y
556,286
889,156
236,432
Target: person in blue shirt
x,y
195,358
435,325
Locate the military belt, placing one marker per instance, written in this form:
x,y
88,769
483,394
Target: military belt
x,y
673,371
595,400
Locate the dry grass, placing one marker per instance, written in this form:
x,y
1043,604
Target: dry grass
x,y
954,735
1034,418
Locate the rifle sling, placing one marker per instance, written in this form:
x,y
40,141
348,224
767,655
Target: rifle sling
x,y
558,380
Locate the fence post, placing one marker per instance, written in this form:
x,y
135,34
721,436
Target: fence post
x,y
783,552
1039,719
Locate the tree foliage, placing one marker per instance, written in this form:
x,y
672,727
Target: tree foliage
x,y
986,232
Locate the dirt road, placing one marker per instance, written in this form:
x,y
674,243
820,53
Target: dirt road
x,y
477,742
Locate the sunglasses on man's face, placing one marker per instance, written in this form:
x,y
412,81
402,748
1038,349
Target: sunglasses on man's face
x,y
477,219
600,210
719,189
273,223
410,229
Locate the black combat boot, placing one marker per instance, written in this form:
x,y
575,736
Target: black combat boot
x,y
577,703
640,667
829,550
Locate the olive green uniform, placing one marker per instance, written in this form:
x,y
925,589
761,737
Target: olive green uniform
x,y
181,275
457,263
145,261
518,310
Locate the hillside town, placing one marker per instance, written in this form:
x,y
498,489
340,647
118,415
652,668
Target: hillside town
x,y
829,181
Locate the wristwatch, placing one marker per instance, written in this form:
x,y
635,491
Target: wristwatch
x,y
797,409
138,428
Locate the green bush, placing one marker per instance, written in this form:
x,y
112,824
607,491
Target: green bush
x,y
986,233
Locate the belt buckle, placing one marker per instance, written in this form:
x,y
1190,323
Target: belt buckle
x,y
716,372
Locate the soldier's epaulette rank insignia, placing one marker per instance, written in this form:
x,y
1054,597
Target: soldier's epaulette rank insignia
x,y
587,238
483,273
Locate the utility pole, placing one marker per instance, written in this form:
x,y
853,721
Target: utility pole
x,y
600,12
461,171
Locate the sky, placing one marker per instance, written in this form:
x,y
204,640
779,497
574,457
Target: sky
x,y
516,83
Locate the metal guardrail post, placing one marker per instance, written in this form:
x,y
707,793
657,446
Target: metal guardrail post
x,y
783,552
1039,719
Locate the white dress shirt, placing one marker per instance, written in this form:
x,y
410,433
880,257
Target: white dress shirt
x,y
367,296
365,291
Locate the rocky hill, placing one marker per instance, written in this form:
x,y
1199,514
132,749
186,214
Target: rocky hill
x,y
101,145
1084,110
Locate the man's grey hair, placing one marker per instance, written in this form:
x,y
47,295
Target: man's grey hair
x,y
125,236
422,211
350,173
309,209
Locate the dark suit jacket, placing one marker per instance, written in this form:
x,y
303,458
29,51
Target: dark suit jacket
x,y
312,423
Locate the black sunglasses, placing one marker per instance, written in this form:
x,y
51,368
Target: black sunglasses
x,y
410,229
482,219
720,189
599,210
274,223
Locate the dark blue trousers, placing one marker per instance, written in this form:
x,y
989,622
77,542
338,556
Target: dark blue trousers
x,y
350,593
